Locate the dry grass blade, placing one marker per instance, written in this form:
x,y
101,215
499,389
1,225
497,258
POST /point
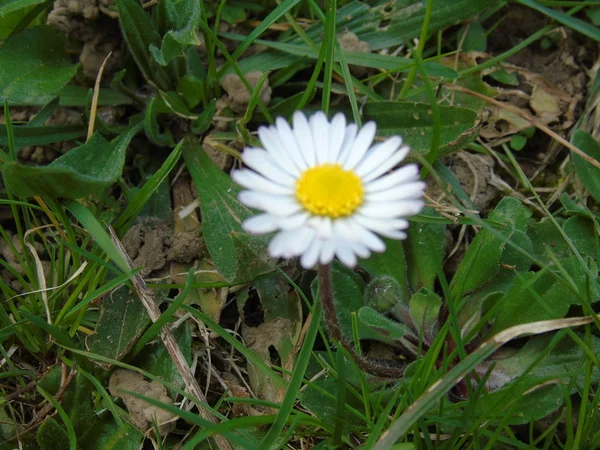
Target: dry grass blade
x,y
94,107
400,427
191,384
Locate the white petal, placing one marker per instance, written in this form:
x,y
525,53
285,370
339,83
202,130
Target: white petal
x,y
260,224
392,209
278,246
290,222
337,131
301,241
344,252
379,225
327,251
319,127
406,174
406,191
361,145
311,255
367,238
377,155
278,205
289,141
303,137
322,225
393,234
269,137
361,250
263,163
343,229
251,180
349,137
391,162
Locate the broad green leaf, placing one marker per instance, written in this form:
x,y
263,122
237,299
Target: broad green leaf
x,y
85,170
51,436
589,174
483,257
190,88
347,296
181,17
79,95
374,325
425,252
34,68
204,120
77,403
475,39
122,321
392,263
106,435
424,310
26,136
237,256
139,33
156,360
580,231
9,6
532,297
414,122
152,127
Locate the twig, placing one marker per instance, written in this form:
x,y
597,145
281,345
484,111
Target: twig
x,y
146,297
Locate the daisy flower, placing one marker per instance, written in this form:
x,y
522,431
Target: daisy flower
x,y
327,190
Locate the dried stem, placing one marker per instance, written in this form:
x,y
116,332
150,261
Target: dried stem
x,y
333,326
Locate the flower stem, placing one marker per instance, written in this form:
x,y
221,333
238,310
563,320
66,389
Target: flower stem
x,y
335,331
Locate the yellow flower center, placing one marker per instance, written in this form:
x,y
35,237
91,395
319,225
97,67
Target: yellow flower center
x,y
328,190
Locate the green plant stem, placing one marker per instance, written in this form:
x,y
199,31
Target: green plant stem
x,y
335,331
422,38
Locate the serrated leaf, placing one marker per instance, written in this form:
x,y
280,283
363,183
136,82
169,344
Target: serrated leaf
x,y
414,122
34,67
85,170
237,256
122,321
589,174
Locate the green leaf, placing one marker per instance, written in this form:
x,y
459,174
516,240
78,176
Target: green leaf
x,y
414,122
533,296
237,256
190,88
77,402
384,292
424,310
589,174
85,170
392,263
347,296
51,436
374,325
476,38
483,257
152,127
106,435
122,321
518,142
505,77
26,136
156,360
34,67
9,6
425,251
139,33
181,17
204,120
